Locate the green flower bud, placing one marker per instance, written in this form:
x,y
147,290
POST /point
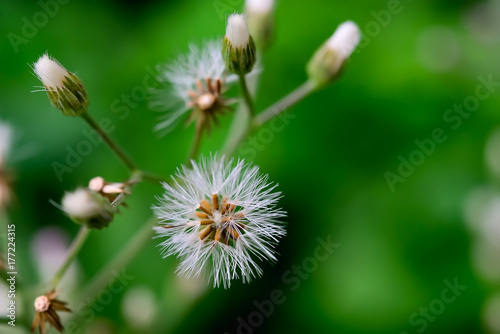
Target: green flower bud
x,y
65,89
238,48
329,61
88,207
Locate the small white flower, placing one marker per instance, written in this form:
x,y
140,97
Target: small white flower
x,y
345,39
259,6
65,89
220,217
195,81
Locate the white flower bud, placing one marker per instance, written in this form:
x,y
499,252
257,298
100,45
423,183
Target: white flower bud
x,y
238,48
345,39
237,31
261,21
259,6
65,89
328,62
88,207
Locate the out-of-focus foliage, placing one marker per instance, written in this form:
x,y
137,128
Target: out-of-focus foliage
x,y
398,244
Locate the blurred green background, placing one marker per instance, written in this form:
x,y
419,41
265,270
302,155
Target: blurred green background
x,y
397,246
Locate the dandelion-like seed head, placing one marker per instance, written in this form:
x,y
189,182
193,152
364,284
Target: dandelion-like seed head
x,y
195,82
218,217
65,89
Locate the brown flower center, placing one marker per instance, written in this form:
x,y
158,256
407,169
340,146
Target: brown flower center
x,y
221,222
206,97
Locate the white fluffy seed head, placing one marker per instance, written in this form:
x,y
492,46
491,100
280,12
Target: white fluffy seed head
x,y
81,205
254,220
237,31
42,304
345,39
50,72
259,6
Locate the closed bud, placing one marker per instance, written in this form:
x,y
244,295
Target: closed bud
x,y
65,89
88,207
238,47
261,21
328,62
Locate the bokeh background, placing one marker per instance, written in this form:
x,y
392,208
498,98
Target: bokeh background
x,y
398,246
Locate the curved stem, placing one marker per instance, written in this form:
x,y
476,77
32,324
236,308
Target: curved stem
x,y
77,244
291,99
246,94
294,97
112,145
195,147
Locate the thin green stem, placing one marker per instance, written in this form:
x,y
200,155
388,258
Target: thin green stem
x,y
123,257
76,246
148,176
112,145
291,99
246,94
195,147
4,223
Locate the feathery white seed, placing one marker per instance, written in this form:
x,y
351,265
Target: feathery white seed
x,y
345,39
50,72
237,31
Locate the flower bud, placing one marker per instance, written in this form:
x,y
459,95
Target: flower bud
x,y
261,21
87,207
328,62
65,89
238,48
